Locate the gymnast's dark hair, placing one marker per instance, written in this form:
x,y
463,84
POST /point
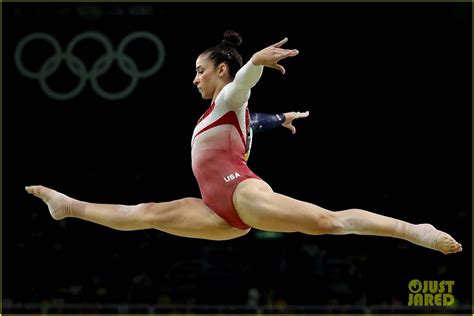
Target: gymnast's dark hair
x,y
226,52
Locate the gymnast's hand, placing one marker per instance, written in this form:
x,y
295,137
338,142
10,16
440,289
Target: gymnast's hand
x,y
271,55
290,117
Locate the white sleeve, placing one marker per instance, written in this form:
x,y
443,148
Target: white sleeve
x,y
237,92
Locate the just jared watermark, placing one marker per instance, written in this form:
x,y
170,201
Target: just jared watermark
x,y
430,293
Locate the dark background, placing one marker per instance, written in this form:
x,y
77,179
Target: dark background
x,y
388,89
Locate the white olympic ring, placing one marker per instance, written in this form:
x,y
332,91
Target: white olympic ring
x,y
100,66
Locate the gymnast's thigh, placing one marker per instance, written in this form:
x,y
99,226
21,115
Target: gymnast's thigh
x,y
190,217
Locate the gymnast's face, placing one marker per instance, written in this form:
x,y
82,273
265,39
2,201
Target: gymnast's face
x,y
208,77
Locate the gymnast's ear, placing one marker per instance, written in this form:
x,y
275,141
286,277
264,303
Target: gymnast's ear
x,y
223,70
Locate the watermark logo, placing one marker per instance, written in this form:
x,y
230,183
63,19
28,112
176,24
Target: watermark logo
x,y
430,293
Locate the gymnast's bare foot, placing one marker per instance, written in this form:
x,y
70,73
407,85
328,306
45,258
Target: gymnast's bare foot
x,y
60,205
443,241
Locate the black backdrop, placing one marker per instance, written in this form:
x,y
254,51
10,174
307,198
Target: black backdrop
x,y
388,89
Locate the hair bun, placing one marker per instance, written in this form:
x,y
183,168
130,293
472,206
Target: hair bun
x,y
232,38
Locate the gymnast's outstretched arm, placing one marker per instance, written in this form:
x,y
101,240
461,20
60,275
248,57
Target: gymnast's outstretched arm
x,y
261,122
235,94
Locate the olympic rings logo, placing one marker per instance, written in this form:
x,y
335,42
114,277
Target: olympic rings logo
x,y
99,67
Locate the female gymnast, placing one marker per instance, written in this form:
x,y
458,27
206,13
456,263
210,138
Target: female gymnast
x,y
234,199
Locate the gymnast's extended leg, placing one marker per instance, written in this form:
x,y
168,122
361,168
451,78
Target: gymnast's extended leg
x,y
188,217
261,208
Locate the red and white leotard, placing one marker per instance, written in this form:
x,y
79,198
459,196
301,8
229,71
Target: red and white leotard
x,y
218,145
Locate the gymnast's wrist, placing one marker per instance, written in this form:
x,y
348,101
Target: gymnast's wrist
x,y
255,60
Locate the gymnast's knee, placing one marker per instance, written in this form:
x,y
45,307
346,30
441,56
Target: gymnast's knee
x,y
328,223
346,222
155,215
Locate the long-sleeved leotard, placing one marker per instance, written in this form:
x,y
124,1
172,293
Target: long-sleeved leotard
x,y
218,145
261,122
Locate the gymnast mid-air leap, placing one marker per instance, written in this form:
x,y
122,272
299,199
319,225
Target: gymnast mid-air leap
x,y
234,199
